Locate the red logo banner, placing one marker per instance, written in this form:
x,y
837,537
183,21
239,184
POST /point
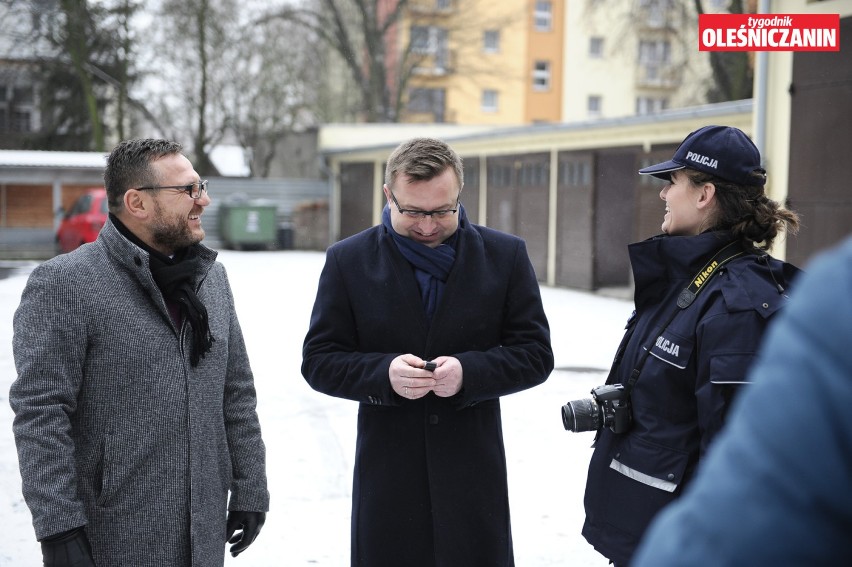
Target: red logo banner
x,y
769,32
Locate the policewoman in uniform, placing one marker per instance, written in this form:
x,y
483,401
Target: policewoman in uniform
x,y
705,291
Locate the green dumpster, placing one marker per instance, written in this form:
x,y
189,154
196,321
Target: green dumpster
x,y
247,225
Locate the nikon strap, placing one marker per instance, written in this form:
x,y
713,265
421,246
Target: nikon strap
x,y
687,296
722,257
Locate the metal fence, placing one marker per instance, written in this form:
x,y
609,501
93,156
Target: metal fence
x,y
286,194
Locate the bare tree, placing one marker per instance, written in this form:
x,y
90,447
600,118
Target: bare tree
x,y
733,72
360,32
75,51
79,26
123,12
273,88
356,31
189,71
225,75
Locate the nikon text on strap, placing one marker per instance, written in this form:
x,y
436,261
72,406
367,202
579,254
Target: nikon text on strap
x,y
722,257
687,296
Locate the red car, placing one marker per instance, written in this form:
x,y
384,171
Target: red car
x,y
83,221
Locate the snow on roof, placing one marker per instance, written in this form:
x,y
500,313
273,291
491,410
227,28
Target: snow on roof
x,y
38,158
230,160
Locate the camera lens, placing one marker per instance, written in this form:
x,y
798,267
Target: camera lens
x,y
581,415
568,419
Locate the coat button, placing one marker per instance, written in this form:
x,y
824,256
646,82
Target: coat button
x,y
137,260
766,306
433,419
670,477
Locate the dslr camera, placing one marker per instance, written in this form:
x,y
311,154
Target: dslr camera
x,y
609,406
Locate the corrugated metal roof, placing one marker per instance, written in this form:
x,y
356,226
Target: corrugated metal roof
x,y
37,158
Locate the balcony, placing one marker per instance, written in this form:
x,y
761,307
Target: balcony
x,y
431,7
658,76
437,64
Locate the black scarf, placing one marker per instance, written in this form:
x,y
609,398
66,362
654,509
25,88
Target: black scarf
x,y
174,277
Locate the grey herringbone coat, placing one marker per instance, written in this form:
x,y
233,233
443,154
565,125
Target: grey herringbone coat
x,y
114,428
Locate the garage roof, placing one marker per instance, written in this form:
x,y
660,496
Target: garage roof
x,y
35,158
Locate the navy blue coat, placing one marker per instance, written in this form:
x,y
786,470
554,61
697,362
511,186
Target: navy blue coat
x,y
775,488
680,400
430,482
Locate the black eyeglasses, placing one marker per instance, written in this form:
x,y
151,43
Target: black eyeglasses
x,y
415,214
193,189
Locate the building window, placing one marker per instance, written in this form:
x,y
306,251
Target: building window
x,y
491,41
20,121
654,51
654,56
443,4
651,105
656,12
543,16
431,41
420,39
17,112
427,39
23,95
541,75
594,106
596,47
427,101
490,99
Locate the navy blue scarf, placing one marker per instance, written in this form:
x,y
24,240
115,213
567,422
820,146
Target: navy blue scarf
x,y
431,265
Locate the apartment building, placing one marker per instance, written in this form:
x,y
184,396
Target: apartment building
x,y
482,62
518,62
633,58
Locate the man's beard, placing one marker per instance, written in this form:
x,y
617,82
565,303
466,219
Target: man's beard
x,y
171,232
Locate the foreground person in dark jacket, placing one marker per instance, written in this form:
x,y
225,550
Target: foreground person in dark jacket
x,y
426,320
134,402
689,370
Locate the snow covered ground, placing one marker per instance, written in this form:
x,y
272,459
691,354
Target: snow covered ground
x,y
310,437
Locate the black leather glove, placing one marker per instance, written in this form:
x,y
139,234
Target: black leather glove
x,y
67,549
250,524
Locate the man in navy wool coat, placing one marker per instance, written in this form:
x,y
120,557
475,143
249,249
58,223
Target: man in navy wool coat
x,y
426,320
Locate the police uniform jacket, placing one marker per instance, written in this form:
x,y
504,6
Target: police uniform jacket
x,y
114,428
680,399
430,484
773,491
